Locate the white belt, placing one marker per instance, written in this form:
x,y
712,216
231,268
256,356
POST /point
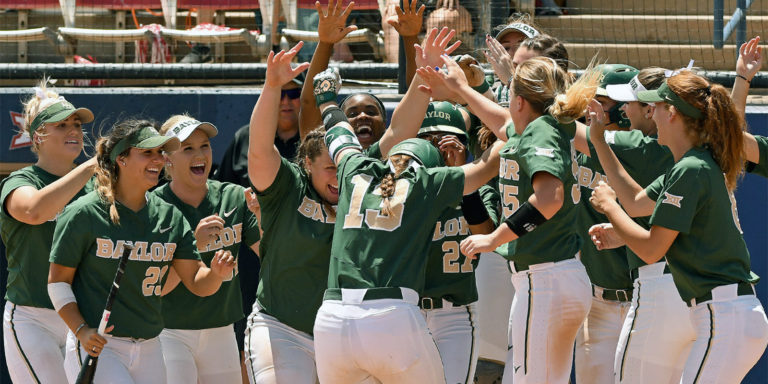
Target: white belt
x,y
651,270
357,295
546,265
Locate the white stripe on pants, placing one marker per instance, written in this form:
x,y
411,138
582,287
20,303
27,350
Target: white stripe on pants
x,y
122,361
204,356
551,302
731,335
454,329
34,340
657,334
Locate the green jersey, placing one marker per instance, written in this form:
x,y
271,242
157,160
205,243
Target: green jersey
x,y
295,248
183,309
372,249
543,147
373,151
450,274
85,238
709,250
645,160
28,246
760,168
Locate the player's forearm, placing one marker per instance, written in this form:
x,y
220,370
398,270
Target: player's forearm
x,y
626,188
739,94
636,237
491,114
410,58
205,283
44,204
263,157
309,114
407,117
482,228
71,315
483,169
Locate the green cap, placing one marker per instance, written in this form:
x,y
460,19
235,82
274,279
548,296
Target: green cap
x,y
665,95
421,150
443,117
145,138
614,74
59,111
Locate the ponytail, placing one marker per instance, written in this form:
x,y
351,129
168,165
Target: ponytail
x,y
387,187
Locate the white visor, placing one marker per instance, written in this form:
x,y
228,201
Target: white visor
x,y
625,92
183,129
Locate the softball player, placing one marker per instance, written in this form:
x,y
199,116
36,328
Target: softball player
x,y
297,215
608,270
549,282
375,276
694,223
450,292
34,337
87,242
198,341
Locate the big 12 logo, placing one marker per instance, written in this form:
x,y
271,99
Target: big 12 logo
x,y
21,139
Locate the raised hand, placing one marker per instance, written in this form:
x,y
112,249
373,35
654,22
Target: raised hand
x,y
331,27
436,87
326,85
603,197
223,263
499,59
604,237
434,45
472,70
279,70
408,22
750,58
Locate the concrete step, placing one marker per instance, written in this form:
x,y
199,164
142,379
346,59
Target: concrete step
x,y
645,29
645,55
658,7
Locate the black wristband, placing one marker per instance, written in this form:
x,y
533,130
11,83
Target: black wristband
x,y
743,77
332,116
525,220
473,209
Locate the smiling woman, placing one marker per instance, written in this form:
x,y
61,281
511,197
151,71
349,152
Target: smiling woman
x,y
31,199
366,113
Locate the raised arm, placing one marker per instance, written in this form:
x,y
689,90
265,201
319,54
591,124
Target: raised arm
x,y
632,195
331,29
408,25
748,64
263,157
453,80
36,206
410,112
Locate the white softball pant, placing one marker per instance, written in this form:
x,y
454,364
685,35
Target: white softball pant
x,y
731,335
657,334
204,356
454,329
122,361
384,339
276,353
551,302
495,293
597,340
34,340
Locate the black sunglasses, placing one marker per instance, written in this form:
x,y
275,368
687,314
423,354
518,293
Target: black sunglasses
x,y
292,94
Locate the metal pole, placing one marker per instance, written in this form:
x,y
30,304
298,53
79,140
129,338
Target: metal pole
x,y
717,39
741,30
402,84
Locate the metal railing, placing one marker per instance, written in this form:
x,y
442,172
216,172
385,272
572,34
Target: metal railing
x,y
738,22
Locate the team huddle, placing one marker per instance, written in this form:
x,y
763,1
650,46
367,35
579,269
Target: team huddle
x,y
609,198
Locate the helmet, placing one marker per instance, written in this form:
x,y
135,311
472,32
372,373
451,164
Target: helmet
x,y
421,150
616,74
444,117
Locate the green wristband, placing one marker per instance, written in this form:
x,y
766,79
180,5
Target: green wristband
x,y
325,97
482,87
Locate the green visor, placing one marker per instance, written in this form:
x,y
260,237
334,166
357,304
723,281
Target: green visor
x,y
145,138
58,112
665,95
443,117
420,150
